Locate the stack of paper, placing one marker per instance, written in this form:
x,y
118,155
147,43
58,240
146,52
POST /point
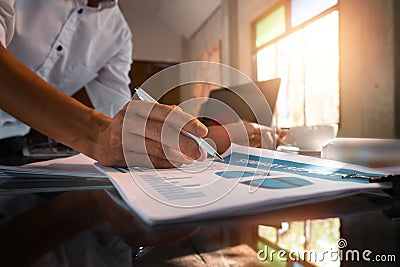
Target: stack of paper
x,y
248,181
63,174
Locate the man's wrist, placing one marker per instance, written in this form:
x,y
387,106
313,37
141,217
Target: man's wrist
x,y
93,128
101,134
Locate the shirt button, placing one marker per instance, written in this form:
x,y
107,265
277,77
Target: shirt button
x,y
59,48
80,11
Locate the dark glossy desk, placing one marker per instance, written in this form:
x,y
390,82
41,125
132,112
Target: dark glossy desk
x,y
88,228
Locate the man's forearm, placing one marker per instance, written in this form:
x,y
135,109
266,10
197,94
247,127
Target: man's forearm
x,y
33,101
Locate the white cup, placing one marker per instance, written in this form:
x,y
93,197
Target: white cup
x,y
313,137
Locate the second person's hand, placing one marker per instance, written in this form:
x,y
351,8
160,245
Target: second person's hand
x,y
245,133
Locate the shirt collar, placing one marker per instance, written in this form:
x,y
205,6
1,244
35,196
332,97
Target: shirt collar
x,y
107,4
103,4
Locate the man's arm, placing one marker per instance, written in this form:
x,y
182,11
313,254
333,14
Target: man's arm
x,y
35,102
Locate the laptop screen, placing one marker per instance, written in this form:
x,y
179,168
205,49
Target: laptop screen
x,y
218,112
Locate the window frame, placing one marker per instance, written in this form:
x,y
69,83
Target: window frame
x,y
289,30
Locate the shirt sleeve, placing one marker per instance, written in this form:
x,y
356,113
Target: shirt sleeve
x,y
110,91
6,21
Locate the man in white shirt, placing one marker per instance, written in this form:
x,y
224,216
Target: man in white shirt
x,y
102,60
74,45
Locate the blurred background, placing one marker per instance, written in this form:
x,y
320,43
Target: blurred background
x,y
337,58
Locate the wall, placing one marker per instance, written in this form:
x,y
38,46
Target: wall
x,y
213,31
219,27
367,68
161,43
203,39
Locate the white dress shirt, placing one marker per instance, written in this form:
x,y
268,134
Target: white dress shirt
x,y
70,45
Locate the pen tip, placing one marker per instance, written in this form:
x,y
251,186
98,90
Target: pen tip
x,y
219,157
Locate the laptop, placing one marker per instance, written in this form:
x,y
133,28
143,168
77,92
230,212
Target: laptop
x,y
220,114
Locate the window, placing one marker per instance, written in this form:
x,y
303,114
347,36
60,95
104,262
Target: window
x,y
298,41
316,237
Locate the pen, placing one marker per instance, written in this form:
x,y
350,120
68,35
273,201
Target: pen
x,y
373,179
203,144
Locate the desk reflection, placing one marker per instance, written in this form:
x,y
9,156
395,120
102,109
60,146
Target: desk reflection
x,y
80,228
94,228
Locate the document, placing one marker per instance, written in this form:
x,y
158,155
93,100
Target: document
x,y
61,174
248,181
74,166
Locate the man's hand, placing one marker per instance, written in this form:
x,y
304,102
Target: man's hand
x,y
150,136
245,133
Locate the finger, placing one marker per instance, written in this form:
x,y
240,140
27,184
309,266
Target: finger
x,y
220,136
282,134
268,140
270,137
252,129
182,120
159,112
177,108
162,133
142,145
277,140
255,140
116,162
254,134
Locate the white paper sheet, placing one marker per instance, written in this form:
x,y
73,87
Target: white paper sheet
x,y
250,180
74,166
61,174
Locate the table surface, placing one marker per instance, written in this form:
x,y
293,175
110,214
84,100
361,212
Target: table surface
x,y
90,228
